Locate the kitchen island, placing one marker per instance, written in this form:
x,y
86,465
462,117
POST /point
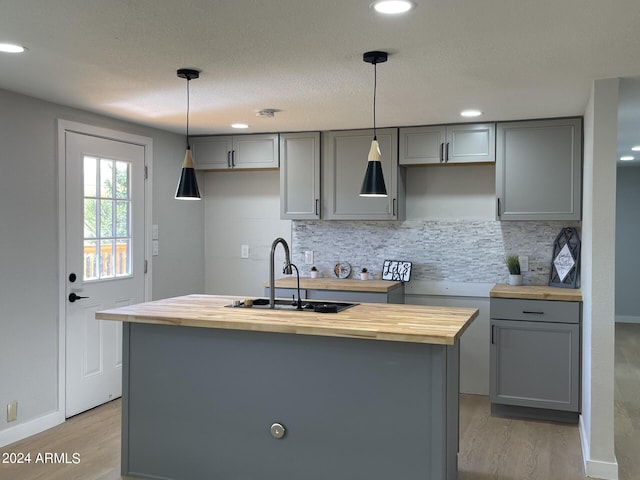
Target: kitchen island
x,y
247,393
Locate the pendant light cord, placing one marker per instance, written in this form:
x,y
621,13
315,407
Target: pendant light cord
x,y
375,84
188,80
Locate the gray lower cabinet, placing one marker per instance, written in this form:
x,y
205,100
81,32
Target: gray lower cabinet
x,y
300,176
539,169
344,165
448,144
235,152
535,358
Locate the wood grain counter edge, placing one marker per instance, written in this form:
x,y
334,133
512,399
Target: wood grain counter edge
x,y
536,292
346,284
390,322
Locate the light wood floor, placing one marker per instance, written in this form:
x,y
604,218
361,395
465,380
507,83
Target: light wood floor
x,y
627,400
491,448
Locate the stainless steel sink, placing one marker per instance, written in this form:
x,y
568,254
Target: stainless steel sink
x,y
318,306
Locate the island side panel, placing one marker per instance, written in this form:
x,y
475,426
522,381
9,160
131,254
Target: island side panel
x,y
198,403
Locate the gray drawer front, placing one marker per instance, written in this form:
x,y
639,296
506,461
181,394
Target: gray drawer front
x,y
535,310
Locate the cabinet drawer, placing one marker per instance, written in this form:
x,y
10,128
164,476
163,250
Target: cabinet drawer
x,y
535,310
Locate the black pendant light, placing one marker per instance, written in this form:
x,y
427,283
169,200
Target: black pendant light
x,y
373,184
188,185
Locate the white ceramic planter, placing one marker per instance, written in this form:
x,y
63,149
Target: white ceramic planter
x,y
515,279
364,276
315,274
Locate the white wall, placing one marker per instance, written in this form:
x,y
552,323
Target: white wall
x,y
29,302
242,208
627,244
598,280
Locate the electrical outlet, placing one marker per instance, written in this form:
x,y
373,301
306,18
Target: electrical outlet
x,y
155,248
154,232
12,411
308,257
244,251
524,263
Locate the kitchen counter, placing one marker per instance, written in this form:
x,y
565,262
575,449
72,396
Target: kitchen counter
x,y
347,284
403,323
369,392
536,292
341,290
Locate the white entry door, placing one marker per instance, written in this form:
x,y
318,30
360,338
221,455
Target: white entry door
x,y
105,229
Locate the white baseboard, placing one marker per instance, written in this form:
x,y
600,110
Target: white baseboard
x,y
595,468
24,430
627,319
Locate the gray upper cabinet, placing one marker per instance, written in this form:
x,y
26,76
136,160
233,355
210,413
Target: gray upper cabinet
x,y
235,152
300,176
538,169
448,144
344,166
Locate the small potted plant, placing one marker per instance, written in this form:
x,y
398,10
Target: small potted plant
x,y
314,272
513,264
364,274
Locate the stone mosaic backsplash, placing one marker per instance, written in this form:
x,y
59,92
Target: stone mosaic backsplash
x,y
454,251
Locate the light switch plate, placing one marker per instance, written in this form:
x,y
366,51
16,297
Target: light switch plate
x,y
155,248
524,263
244,251
308,257
154,232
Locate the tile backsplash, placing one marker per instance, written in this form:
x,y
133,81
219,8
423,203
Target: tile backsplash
x,y
453,251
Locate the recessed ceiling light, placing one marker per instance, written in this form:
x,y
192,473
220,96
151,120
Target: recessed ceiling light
x,y
239,125
471,113
393,7
636,148
11,48
626,158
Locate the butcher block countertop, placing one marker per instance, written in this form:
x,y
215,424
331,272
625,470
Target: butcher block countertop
x,y
346,284
393,322
536,292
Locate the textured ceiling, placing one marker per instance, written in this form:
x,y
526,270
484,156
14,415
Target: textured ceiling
x,y
509,58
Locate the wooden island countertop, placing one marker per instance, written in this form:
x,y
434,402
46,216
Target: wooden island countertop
x,y
392,322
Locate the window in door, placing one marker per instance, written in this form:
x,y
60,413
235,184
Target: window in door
x,y
107,218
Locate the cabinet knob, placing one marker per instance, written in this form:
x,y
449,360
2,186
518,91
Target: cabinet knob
x,y
278,430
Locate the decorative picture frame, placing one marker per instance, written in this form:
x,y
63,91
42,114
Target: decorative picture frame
x,y
396,270
565,262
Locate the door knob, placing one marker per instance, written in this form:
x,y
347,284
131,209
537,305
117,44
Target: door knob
x,y
73,297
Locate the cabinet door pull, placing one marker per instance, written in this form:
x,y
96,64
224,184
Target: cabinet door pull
x,y
317,202
492,329
441,152
532,313
498,216
393,208
233,158
228,158
446,156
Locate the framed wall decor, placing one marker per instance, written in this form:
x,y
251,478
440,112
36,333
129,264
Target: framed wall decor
x,y
565,262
